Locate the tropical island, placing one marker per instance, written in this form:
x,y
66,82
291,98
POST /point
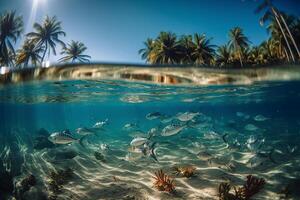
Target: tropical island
x,y
281,47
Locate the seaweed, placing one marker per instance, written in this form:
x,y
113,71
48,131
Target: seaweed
x,y
187,172
224,192
251,187
58,179
163,182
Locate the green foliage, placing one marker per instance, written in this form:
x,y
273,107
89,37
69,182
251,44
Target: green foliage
x,y
74,52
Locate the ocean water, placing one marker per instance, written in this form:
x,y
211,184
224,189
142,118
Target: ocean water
x,y
238,124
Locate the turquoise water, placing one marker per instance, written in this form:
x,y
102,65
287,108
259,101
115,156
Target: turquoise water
x,y
237,130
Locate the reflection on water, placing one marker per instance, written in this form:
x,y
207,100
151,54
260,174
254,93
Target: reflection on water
x,y
113,134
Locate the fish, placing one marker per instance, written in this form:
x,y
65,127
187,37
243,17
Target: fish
x,y
260,118
260,158
130,126
150,151
251,127
100,124
187,116
254,144
172,129
211,135
291,150
240,114
146,150
64,137
153,115
153,132
204,155
138,141
104,147
86,131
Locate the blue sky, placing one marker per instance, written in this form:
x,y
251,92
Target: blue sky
x,y
114,30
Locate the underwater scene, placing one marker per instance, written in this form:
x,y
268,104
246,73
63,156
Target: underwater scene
x,y
132,139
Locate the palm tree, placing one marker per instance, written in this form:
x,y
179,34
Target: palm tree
x,y
187,47
147,52
277,35
47,35
272,11
11,27
256,56
74,52
203,52
30,52
223,55
237,42
166,49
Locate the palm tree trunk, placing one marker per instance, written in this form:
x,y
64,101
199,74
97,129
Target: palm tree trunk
x,y
240,57
286,54
282,31
291,36
44,53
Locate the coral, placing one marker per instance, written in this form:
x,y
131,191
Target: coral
x,y
252,186
58,179
187,172
224,192
163,182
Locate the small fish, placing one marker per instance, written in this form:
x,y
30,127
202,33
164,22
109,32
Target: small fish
x,y
172,129
260,118
240,114
86,131
153,115
100,124
153,132
187,116
138,141
260,158
211,135
64,137
251,127
104,147
130,126
146,149
291,149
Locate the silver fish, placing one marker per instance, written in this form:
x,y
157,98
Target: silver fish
x,y
104,147
187,116
138,141
172,129
100,124
211,135
251,127
86,131
260,118
153,115
130,126
64,137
